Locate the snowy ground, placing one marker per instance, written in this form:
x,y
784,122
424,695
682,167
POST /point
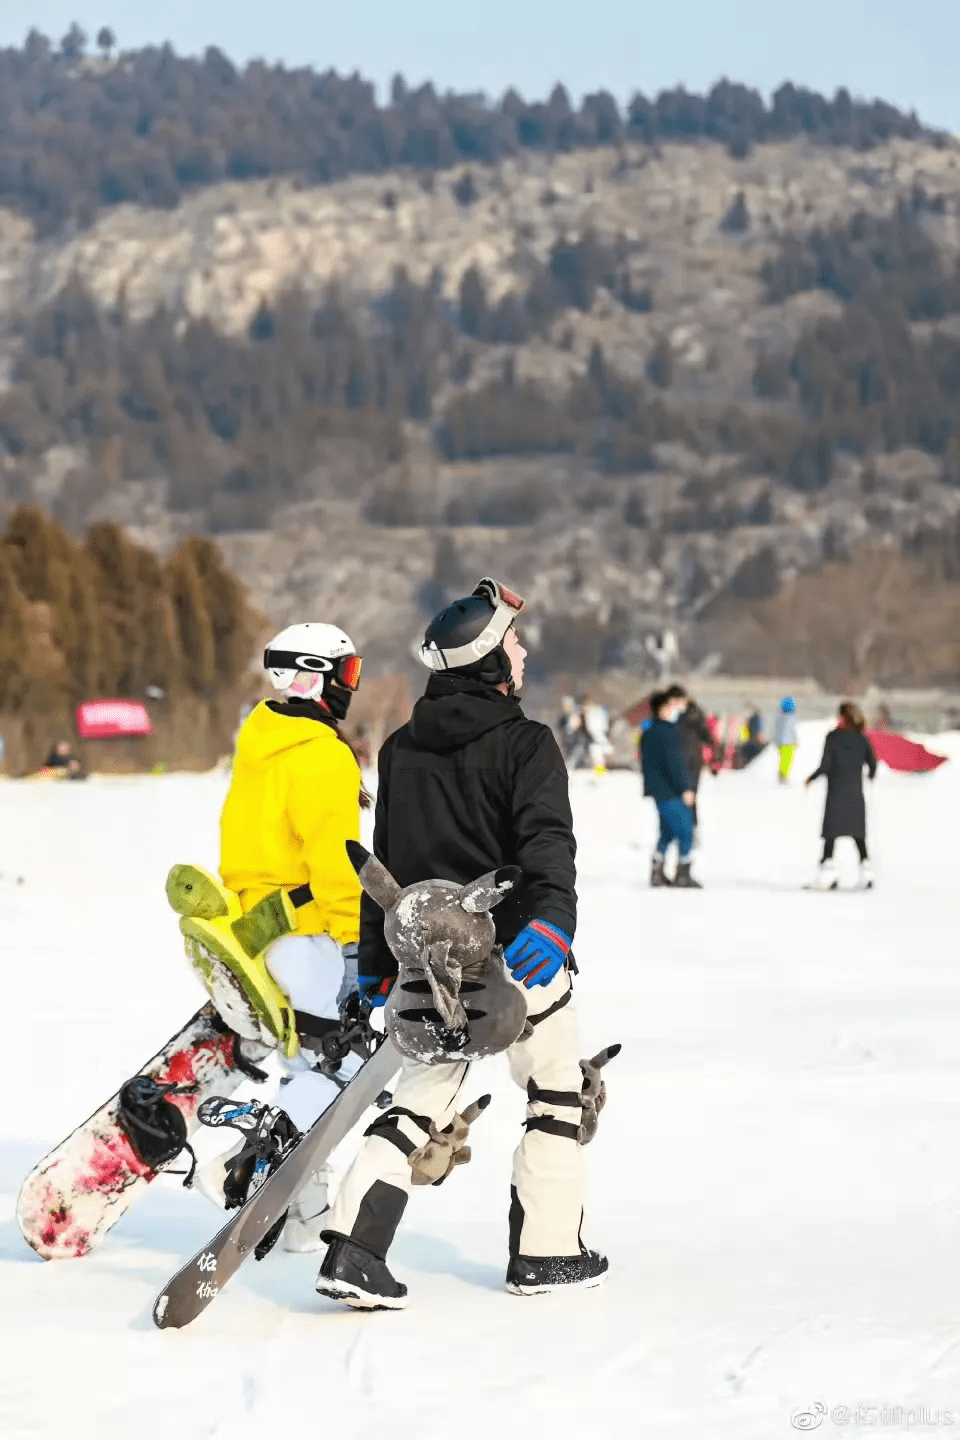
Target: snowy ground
x,y
776,1178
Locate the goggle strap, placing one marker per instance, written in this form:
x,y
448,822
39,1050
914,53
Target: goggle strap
x,y
489,638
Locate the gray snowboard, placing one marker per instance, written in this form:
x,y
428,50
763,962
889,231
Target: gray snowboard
x,y
202,1278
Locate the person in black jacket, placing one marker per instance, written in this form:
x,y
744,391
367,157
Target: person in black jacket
x,y
470,784
846,754
666,780
695,736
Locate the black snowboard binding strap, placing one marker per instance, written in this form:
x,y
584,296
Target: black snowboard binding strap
x,y
155,1126
334,1040
241,1061
356,1030
269,1137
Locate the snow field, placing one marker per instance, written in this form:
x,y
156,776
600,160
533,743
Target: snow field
x,y
776,1177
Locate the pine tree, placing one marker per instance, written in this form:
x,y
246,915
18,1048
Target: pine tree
x,y
194,625
225,600
14,659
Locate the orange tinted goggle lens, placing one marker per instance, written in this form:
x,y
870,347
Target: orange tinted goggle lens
x,y
350,671
510,599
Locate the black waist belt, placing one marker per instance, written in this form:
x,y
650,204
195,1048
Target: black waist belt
x,y
300,895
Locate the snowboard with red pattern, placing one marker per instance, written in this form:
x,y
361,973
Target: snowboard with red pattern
x,y
79,1191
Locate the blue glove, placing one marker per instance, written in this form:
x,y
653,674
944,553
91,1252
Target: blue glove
x,y
374,989
538,953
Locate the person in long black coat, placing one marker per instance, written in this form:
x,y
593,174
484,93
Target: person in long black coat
x,y
846,754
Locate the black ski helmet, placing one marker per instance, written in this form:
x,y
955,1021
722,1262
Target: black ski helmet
x,y
467,635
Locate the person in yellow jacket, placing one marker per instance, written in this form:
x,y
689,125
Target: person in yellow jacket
x,y
295,793
294,799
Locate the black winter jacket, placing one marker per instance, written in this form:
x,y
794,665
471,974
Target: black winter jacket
x,y
665,775
846,754
467,785
694,734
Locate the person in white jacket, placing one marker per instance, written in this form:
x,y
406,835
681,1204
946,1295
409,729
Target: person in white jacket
x,y
596,726
785,737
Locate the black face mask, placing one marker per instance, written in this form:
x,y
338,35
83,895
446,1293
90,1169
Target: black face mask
x,y
337,701
330,710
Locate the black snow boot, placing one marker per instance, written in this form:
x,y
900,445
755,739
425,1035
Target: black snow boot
x,y
685,880
657,875
543,1274
353,1273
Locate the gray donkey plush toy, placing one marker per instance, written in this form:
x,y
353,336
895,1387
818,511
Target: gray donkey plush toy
x,y
453,999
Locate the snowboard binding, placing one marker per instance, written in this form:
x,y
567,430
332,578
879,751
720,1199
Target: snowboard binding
x,y
269,1136
155,1126
354,1033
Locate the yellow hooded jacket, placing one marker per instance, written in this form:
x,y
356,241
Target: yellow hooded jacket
x,y
293,800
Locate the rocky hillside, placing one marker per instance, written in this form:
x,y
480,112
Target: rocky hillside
x,y
633,379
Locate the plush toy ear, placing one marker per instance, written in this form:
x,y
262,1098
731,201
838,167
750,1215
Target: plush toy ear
x,y
374,877
490,889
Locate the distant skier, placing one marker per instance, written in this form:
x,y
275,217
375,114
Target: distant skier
x,y
469,784
846,754
667,782
785,737
567,723
596,726
754,736
294,799
571,734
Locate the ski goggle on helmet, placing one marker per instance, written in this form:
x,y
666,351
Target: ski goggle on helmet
x,y
314,649
506,607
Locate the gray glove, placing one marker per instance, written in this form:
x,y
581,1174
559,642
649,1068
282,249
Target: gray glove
x,y
349,982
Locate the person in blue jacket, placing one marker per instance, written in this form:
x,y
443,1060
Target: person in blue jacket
x,y
667,782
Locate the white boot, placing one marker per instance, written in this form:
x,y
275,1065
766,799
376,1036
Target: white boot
x,y
308,1214
212,1173
865,881
826,876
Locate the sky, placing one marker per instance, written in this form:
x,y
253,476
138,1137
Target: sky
x,y
905,51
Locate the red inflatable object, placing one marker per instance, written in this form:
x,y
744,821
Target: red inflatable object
x,y
110,719
902,754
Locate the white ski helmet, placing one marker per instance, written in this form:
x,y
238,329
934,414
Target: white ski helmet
x,y
311,652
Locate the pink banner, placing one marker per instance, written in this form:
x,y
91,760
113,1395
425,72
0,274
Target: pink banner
x,y
109,719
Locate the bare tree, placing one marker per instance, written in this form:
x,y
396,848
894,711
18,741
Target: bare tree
x,y
879,618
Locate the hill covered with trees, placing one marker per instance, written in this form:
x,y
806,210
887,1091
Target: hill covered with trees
x,y
660,359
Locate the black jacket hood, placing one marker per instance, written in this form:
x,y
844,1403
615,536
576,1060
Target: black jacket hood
x,y
456,709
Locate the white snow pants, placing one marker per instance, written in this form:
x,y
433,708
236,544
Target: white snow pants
x,y
547,1193
310,969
